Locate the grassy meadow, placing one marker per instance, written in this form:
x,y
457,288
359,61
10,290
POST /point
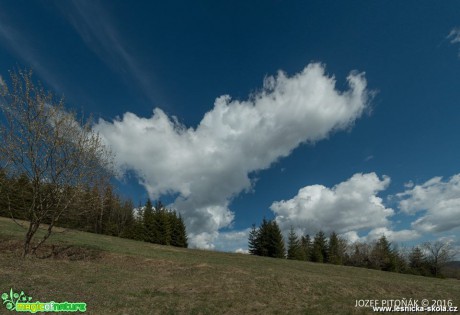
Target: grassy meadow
x,y
120,276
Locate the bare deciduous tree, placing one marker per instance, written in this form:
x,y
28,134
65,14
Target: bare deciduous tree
x,y
438,254
59,154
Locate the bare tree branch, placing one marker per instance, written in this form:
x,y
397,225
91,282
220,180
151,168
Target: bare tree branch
x,y
47,144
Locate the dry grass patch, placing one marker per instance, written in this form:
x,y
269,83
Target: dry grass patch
x,y
117,276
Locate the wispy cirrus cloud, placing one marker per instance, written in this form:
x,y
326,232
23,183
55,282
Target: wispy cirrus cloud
x,y
94,25
454,36
19,43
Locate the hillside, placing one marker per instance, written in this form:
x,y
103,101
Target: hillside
x,y
120,276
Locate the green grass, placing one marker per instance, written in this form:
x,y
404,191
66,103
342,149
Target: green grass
x,y
119,276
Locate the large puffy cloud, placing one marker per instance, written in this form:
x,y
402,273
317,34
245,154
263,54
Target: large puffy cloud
x,y
208,165
346,208
438,201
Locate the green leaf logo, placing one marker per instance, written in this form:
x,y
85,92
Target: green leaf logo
x,y
10,300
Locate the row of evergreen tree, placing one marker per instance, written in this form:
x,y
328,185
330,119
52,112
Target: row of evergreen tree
x,y
267,240
98,209
156,224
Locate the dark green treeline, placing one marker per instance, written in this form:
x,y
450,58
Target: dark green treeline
x,y
97,209
267,240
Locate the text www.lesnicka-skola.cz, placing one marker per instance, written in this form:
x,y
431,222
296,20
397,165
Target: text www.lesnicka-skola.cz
x,y
408,305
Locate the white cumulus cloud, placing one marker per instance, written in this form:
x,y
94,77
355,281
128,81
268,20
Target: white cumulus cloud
x,y
348,207
438,202
392,236
376,233
242,251
233,241
208,165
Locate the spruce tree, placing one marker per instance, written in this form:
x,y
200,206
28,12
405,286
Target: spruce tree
x,y
276,245
399,261
382,256
335,251
360,255
264,241
307,247
294,247
267,240
183,239
178,233
138,231
150,230
253,242
417,262
163,224
319,252
129,220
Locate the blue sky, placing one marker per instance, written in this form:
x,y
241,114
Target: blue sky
x,y
358,133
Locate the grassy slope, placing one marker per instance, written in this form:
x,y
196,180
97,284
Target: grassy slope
x,y
139,278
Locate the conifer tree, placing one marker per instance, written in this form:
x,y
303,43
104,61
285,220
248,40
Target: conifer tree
x,y
136,230
360,255
267,240
335,250
178,233
382,255
184,241
276,245
307,247
417,261
163,224
294,247
319,252
399,261
263,240
150,229
122,217
253,242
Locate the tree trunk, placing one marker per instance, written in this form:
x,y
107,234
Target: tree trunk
x,y
33,227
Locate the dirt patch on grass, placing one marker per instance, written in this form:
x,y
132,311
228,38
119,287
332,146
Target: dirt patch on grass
x,y
70,252
52,251
7,245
